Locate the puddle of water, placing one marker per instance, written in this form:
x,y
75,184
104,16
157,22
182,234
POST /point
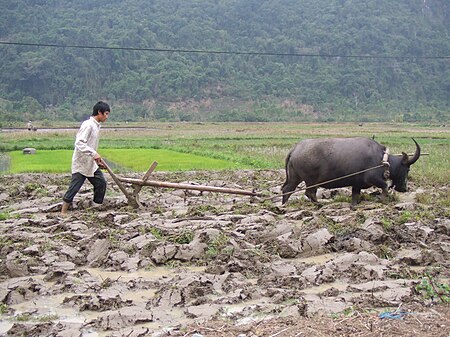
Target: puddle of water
x,y
151,326
4,327
418,269
253,281
238,307
318,259
139,296
152,274
341,286
53,305
46,306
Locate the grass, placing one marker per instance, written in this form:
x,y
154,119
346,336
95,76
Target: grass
x,y
206,146
52,161
139,160
136,160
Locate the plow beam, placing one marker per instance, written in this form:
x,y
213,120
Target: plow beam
x,y
163,184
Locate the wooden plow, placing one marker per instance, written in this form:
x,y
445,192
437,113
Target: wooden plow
x,y
133,198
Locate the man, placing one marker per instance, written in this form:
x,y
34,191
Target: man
x,y
86,162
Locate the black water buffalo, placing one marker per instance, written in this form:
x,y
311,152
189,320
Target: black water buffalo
x,y
326,161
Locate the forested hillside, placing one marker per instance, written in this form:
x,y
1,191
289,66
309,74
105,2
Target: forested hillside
x,y
362,60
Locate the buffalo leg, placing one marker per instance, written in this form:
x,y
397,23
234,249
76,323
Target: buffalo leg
x,y
384,194
311,194
356,193
384,189
288,188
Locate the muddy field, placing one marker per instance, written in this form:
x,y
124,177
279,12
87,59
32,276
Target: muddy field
x,y
198,264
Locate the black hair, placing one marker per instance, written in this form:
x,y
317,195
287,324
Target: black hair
x,y
100,107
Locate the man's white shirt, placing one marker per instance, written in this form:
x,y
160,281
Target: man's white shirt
x,y
86,144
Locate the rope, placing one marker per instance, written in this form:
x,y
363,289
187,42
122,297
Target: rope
x,y
325,182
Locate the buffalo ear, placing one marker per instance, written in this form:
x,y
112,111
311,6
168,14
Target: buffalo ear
x,y
405,159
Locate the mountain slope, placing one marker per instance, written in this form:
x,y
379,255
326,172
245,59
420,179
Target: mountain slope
x,y
32,78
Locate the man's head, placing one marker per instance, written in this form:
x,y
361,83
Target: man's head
x,y
101,111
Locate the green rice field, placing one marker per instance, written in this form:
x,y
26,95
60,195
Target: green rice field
x,y
135,160
217,146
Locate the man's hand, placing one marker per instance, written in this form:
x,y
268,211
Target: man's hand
x,y
99,161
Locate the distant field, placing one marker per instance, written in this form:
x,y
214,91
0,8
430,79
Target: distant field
x,y
214,146
51,161
139,160
135,160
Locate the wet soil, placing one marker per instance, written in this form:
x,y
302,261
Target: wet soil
x,y
191,263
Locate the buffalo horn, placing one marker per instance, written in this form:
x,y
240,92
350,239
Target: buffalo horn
x,y
416,154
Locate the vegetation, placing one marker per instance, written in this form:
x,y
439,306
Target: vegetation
x,y
52,161
217,245
429,288
188,146
3,308
185,237
136,160
139,160
46,84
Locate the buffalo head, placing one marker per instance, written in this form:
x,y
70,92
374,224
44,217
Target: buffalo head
x,y
400,167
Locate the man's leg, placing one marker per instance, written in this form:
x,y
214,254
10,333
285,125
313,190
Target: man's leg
x,y
75,185
64,208
99,182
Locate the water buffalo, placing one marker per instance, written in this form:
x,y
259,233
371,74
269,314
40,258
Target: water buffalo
x,y
317,161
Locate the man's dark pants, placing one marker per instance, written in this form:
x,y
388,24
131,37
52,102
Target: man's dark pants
x,y
98,181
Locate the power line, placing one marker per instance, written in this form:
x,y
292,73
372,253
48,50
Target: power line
x,y
196,51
